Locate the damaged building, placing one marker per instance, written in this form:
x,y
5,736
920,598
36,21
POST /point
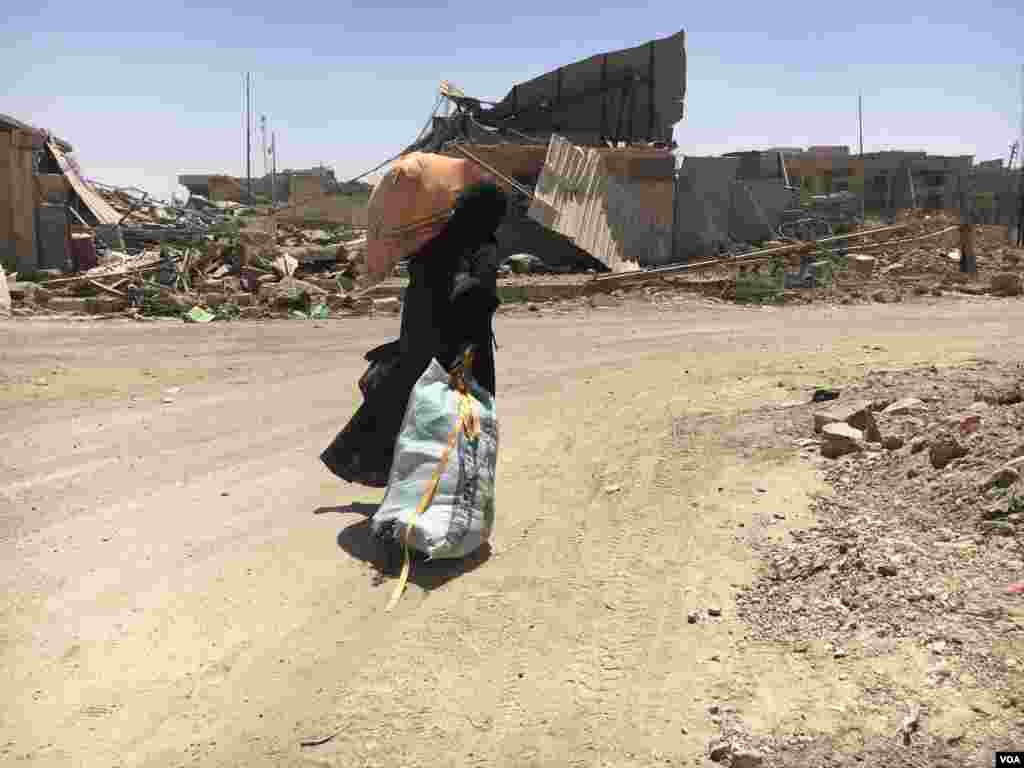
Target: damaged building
x,y
49,213
619,106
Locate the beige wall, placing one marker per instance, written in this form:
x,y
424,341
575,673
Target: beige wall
x,y
304,189
329,209
225,188
17,201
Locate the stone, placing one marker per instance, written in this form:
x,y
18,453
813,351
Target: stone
x,y
861,264
1007,284
214,299
1003,394
904,407
880,296
602,300
969,424
1001,478
242,300
391,304
857,414
747,758
840,440
714,611
719,751
67,304
892,442
944,450
918,444
692,617
1017,452
888,569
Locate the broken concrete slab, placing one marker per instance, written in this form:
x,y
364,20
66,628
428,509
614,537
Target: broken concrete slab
x,y
841,439
858,414
904,407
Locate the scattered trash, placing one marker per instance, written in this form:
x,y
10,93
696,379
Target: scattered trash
x,y
824,395
199,315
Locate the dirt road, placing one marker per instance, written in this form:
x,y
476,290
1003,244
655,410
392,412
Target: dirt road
x,y
182,583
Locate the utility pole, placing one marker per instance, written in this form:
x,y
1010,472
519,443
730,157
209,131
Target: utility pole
x,y
863,170
248,139
263,142
273,168
1020,182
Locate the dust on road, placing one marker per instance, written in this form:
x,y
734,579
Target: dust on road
x,y
182,583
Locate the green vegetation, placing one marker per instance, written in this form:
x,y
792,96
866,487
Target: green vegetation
x,y
757,288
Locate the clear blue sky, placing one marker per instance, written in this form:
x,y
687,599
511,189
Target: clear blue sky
x,y
145,91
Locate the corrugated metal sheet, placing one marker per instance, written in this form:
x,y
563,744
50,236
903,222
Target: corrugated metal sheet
x,y
99,207
602,213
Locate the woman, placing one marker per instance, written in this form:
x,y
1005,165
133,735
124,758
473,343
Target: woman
x,y
446,309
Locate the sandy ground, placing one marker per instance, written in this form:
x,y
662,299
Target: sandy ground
x,y
182,583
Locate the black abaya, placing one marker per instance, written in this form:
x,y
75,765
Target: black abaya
x,y
443,312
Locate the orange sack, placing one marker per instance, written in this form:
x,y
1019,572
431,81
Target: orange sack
x,y
409,206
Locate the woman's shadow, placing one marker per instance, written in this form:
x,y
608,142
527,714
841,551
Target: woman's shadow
x,y
385,556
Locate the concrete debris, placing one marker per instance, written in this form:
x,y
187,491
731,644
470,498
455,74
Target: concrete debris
x,y
857,414
862,265
389,304
603,301
1007,284
719,751
841,439
944,450
5,296
747,758
905,406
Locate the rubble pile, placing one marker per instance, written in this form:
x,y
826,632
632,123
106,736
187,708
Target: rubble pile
x,y
923,537
234,263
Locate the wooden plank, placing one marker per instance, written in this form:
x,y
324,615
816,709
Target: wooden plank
x,y
23,208
99,207
7,252
107,288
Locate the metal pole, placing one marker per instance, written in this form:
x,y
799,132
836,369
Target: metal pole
x,y
863,171
273,166
248,140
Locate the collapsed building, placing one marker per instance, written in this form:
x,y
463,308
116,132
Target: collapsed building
x,y
620,107
49,212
